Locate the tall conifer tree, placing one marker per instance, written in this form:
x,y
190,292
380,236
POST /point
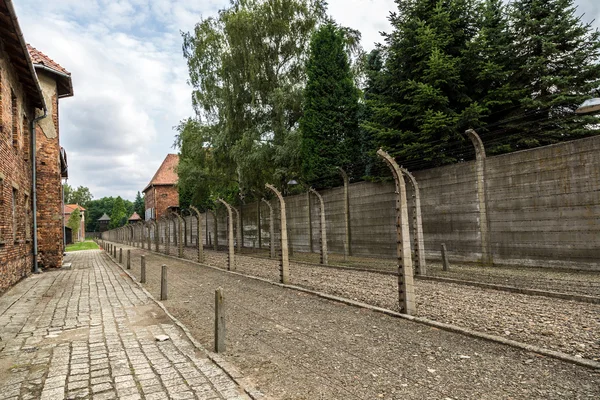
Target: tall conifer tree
x,y
329,125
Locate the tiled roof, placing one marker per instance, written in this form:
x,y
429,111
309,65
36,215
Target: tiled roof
x,y
167,172
40,58
69,208
135,217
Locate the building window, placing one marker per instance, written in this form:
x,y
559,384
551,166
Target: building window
x,y
14,213
26,138
15,128
27,219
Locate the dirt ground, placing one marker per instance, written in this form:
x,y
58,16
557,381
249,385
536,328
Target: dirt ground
x,y
568,326
297,346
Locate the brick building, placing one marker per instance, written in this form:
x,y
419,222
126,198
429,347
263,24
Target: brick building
x,y
25,101
161,193
56,83
68,210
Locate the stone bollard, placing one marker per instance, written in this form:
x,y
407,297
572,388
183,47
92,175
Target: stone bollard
x,y
163,283
219,322
120,255
128,258
445,263
143,270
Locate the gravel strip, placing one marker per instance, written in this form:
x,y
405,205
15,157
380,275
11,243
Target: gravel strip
x,y
562,325
297,346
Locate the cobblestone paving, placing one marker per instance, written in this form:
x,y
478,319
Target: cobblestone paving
x,y
89,333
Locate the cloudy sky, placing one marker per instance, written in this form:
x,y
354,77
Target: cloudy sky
x,y
129,76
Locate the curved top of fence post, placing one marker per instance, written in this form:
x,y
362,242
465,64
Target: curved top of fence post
x,y
477,143
229,208
410,176
391,163
177,215
274,190
313,191
344,174
267,202
194,209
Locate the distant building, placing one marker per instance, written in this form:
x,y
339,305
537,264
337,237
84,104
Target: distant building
x,y
161,193
68,210
103,222
134,218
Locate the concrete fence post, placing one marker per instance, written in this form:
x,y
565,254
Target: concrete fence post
x,y
143,269
445,263
167,236
322,225
199,234
309,218
219,322
120,255
271,229
348,237
179,233
420,263
163,283
128,258
258,225
284,262
406,290
230,245
238,228
484,222
215,230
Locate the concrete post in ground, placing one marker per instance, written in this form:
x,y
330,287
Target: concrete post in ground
x,y
167,236
219,322
322,225
128,258
445,263
238,228
420,263
179,221
484,222
199,234
284,262
185,238
215,229
348,237
163,283
143,270
120,255
309,219
230,245
156,236
406,290
271,229
258,225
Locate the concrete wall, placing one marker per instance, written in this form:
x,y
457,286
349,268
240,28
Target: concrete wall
x,y
543,210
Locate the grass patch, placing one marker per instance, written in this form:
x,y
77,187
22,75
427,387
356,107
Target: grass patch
x,y
87,245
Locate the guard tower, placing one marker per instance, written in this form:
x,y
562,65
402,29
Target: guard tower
x,y
103,222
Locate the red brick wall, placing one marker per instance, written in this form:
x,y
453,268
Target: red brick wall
x,y
49,189
161,197
16,249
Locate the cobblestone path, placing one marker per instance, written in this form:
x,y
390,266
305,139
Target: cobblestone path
x,y
89,333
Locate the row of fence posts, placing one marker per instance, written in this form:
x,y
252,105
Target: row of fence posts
x,y
219,341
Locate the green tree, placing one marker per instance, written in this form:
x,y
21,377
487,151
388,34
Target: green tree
x,y
557,68
422,102
74,222
329,125
246,67
95,210
67,190
81,195
118,215
138,205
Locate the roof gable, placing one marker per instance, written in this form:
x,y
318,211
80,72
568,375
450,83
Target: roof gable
x,y
166,173
42,61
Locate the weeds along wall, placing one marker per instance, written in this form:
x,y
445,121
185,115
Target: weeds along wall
x,y
543,209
